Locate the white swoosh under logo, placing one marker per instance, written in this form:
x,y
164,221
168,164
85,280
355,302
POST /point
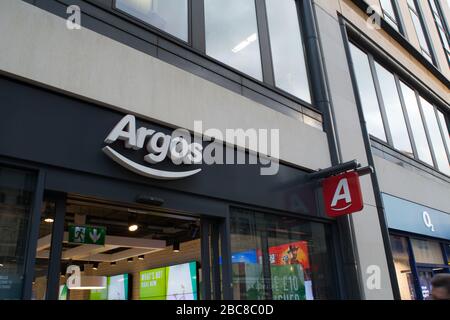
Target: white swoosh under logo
x,y
146,171
342,209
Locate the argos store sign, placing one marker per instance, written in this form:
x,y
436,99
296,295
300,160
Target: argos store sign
x,y
181,149
342,194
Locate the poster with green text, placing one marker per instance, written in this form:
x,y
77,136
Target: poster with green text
x,y
153,284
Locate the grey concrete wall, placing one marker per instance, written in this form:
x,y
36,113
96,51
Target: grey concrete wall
x,y
413,185
367,231
37,46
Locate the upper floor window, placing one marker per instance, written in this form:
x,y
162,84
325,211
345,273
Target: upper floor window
x,y
393,108
170,16
445,131
396,114
232,35
441,26
390,13
437,142
419,26
288,57
417,128
367,92
259,38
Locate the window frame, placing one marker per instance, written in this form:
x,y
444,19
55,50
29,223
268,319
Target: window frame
x,y
197,43
397,19
187,42
304,50
417,11
32,231
384,118
440,16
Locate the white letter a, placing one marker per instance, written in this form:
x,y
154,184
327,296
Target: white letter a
x,y
342,193
125,130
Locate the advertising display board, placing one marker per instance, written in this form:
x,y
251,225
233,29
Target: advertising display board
x,y
290,271
116,289
178,282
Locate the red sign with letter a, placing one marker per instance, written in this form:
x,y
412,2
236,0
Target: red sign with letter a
x,y
342,194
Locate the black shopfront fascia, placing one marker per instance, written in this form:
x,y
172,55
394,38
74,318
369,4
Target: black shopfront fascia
x,y
62,139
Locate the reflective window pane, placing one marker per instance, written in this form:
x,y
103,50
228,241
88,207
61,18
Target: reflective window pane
x,y
389,13
415,120
367,92
287,48
402,267
39,289
436,137
16,197
445,130
387,7
170,16
420,32
280,258
394,111
428,252
232,35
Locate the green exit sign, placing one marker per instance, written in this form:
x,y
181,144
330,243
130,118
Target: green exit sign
x,y
87,235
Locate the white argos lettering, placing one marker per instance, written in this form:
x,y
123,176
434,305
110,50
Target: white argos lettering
x,y
159,146
342,193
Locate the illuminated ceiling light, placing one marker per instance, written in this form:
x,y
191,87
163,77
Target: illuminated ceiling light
x,y
48,218
130,259
141,257
132,223
1,265
176,246
95,266
113,263
245,43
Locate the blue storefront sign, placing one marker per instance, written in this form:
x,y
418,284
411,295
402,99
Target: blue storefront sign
x,y
408,216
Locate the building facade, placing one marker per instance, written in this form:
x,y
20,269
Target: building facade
x,y
97,202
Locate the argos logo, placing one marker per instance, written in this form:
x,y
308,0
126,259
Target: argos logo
x,y
159,146
342,194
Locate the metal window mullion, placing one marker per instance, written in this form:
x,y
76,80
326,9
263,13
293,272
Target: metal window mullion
x,y
215,263
264,42
439,16
400,21
444,254
225,248
54,267
33,237
427,132
441,129
415,273
443,19
426,33
381,105
197,25
406,117
205,259
267,276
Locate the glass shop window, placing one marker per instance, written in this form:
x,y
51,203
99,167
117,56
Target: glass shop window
x,y
280,258
16,197
402,267
427,252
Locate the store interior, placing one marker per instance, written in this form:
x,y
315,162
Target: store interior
x,y
146,255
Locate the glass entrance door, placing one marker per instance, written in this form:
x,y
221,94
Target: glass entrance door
x,y
425,277
92,249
